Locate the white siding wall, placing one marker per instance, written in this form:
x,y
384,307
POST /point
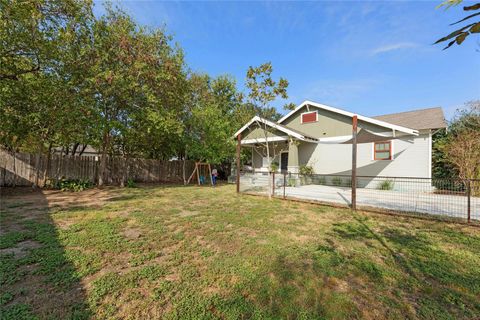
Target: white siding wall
x,y
411,158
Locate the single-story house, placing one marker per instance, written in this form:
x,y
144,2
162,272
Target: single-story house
x,y
320,136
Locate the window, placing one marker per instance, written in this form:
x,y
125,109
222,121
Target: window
x,y
382,150
309,117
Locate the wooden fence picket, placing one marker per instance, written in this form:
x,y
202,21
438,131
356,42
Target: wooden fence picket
x,y
24,169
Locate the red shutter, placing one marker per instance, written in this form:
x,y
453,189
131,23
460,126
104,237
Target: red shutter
x,y
309,117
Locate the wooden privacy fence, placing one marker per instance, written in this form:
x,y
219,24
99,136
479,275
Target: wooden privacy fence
x,y
24,169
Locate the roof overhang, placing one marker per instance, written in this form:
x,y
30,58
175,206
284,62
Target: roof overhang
x,y
258,120
263,140
350,114
363,136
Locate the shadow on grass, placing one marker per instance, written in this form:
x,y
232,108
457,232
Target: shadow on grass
x,y
442,281
37,279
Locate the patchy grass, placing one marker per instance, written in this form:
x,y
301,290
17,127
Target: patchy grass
x,y
207,253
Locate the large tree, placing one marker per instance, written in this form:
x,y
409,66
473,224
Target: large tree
x,y
69,79
40,62
136,87
213,111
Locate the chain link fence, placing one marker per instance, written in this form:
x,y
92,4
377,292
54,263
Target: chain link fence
x,y
440,198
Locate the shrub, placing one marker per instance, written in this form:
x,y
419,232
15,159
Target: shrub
x,y
291,182
337,181
347,182
306,170
274,166
322,180
385,185
72,184
131,183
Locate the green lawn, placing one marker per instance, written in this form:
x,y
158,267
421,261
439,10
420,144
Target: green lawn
x,y
207,253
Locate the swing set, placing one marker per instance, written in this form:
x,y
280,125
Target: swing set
x,y
202,170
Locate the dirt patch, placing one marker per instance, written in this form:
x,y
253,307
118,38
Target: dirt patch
x,y
22,249
47,199
174,277
64,224
10,227
301,238
132,233
186,213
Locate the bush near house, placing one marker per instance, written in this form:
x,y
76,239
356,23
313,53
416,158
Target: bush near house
x,y
385,185
337,181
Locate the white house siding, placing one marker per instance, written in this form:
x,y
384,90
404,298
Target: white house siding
x,y
411,159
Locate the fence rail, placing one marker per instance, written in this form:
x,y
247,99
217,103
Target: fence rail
x,y
24,169
447,198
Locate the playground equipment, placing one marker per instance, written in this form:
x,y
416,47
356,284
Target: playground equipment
x,y
202,170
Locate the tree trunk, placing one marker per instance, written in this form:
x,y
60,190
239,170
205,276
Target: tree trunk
x,y
74,148
184,168
82,150
268,163
37,170
14,167
47,166
124,171
103,160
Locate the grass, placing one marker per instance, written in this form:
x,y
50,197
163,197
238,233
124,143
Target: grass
x,y
207,253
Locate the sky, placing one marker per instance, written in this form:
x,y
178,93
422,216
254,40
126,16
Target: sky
x,y
370,58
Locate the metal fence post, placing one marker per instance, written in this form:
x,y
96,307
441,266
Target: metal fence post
x,y
469,194
284,183
273,183
354,162
239,146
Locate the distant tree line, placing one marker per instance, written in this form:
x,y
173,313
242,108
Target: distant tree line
x,y
70,79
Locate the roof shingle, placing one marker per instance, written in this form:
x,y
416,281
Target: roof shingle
x,y
431,118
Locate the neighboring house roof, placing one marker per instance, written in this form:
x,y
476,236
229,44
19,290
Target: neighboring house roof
x,y
89,150
378,122
291,132
431,118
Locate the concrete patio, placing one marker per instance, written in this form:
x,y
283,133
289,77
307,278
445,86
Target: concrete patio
x,y
428,203
412,202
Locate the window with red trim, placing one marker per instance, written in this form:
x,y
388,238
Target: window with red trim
x,y
309,117
382,150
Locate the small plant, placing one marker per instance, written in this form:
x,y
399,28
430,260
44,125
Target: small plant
x,y
274,166
322,180
131,183
385,185
292,182
306,170
74,185
337,181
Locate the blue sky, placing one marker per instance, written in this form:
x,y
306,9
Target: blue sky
x,y
367,57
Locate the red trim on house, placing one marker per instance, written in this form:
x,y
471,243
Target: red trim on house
x,y
383,150
308,117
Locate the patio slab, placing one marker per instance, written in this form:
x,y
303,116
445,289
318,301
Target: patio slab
x,y
417,202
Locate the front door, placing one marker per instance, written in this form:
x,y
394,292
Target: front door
x,y
284,161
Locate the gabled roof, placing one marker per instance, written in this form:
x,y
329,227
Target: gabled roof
x,y
350,114
289,131
431,118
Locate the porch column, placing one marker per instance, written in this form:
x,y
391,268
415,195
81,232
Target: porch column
x,y
293,156
239,146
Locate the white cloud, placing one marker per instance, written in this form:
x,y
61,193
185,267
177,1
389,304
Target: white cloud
x,y
338,92
393,47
